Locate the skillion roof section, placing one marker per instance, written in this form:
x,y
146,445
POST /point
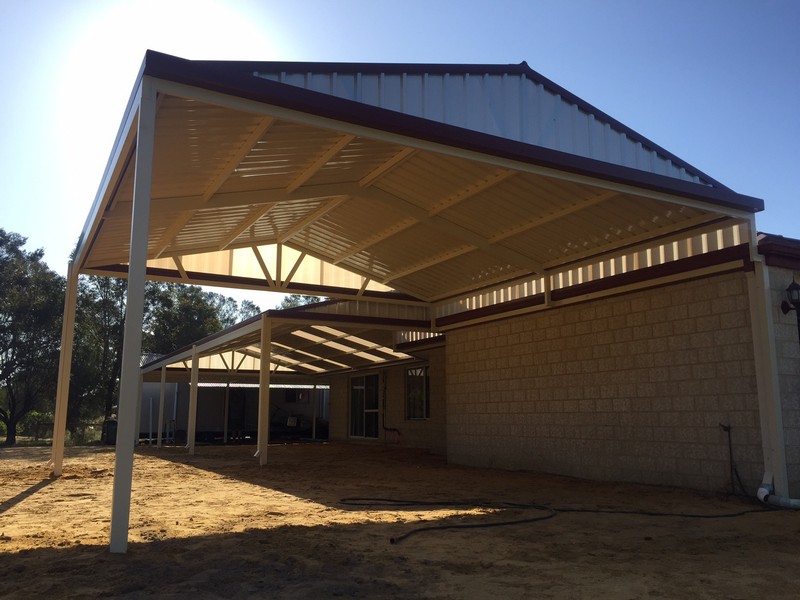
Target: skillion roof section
x,y
549,127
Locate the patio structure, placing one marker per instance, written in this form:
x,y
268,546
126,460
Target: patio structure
x,y
573,297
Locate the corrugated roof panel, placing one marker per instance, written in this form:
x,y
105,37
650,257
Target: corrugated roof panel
x,y
194,142
427,179
279,156
474,269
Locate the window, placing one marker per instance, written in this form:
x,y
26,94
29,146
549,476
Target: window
x,y
417,393
364,406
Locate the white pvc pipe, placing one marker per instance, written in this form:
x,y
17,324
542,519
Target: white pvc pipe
x,y
766,495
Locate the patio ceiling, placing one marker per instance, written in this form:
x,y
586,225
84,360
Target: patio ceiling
x,y
267,186
306,342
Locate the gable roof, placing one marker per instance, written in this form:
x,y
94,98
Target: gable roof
x,y
260,183
508,101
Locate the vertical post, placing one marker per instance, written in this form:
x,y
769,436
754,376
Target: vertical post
x,y
192,428
138,428
134,310
263,390
314,408
227,410
765,354
161,399
64,369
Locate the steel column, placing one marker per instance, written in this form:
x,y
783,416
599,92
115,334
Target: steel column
x,y
192,429
161,399
263,390
64,369
766,361
132,344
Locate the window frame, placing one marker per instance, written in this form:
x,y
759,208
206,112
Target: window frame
x,y
409,404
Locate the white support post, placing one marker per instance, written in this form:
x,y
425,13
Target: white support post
x,y
769,399
192,429
64,369
132,344
263,390
226,411
161,399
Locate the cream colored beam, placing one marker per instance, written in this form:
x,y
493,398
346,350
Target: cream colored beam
x,y
320,162
251,219
431,262
168,205
215,184
454,230
453,199
325,208
386,167
296,266
554,216
171,232
179,265
472,190
376,238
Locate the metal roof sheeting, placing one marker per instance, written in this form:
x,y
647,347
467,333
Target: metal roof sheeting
x,y
515,103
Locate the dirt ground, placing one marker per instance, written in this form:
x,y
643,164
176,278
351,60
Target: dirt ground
x,y
216,525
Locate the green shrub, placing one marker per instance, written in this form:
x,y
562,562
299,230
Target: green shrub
x,y
37,425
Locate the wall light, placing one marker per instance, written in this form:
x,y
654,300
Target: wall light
x,y
792,302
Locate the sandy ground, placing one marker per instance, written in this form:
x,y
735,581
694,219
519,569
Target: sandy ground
x,y
216,525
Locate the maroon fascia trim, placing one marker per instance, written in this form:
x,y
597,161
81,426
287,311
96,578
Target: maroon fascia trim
x,y
228,78
417,345
355,320
734,253
779,251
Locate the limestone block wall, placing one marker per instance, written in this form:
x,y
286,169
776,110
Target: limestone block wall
x,y
429,433
627,388
788,353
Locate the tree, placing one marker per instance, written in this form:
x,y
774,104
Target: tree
x,y
229,312
175,316
295,300
31,303
97,360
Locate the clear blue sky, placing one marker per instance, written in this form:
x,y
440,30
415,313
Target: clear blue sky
x,y
716,82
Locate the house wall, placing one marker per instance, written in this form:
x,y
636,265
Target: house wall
x,y
627,388
787,349
430,434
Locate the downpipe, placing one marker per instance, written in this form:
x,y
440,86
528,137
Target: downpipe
x,y
766,495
